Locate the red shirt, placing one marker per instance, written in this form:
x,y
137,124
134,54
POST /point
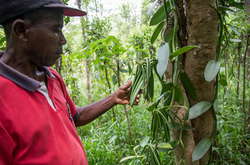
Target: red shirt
x,y
31,131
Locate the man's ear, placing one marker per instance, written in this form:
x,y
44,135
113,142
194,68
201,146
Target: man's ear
x,y
19,28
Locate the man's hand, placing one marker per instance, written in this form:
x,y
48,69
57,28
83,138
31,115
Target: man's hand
x,y
92,111
122,94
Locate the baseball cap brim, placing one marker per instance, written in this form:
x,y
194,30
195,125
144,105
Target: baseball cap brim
x,y
67,11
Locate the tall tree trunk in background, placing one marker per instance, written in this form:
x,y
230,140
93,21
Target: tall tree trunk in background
x,y
247,114
238,69
87,62
244,106
248,80
247,4
202,30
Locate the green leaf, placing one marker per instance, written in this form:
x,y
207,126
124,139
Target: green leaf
x,y
66,20
211,70
157,32
162,56
182,51
155,155
123,70
238,5
201,149
159,15
188,86
128,158
223,80
137,84
235,40
145,141
164,146
168,35
198,109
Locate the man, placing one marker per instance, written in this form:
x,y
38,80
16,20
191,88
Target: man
x,y
37,116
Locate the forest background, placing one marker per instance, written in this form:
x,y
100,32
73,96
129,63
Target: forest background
x,y
192,61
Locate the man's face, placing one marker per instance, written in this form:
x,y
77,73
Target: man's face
x,y
45,39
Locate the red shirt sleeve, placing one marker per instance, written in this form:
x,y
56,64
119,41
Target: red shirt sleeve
x,y
72,106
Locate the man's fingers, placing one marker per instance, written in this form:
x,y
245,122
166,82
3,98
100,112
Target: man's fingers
x,y
127,85
137,99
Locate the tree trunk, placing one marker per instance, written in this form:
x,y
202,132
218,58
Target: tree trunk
x,y
202,30
248,78
198,25
246,110
238,69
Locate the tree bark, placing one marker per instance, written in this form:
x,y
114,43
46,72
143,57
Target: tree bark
x,y
202,30
248,78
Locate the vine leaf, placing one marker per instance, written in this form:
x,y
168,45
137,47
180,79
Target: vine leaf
x,y
159,15
137,84
211,70
164,146
157,32
182,50
129,158
201,149
198,109
162,56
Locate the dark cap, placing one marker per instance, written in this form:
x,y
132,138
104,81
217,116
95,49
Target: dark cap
x,y
13,8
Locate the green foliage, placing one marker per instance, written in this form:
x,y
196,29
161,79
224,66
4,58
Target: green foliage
x,y
211,70
157,31
97,28
140,44
201,149
198,109
2,40
160,14
137,84
144,80
105,140
181,51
